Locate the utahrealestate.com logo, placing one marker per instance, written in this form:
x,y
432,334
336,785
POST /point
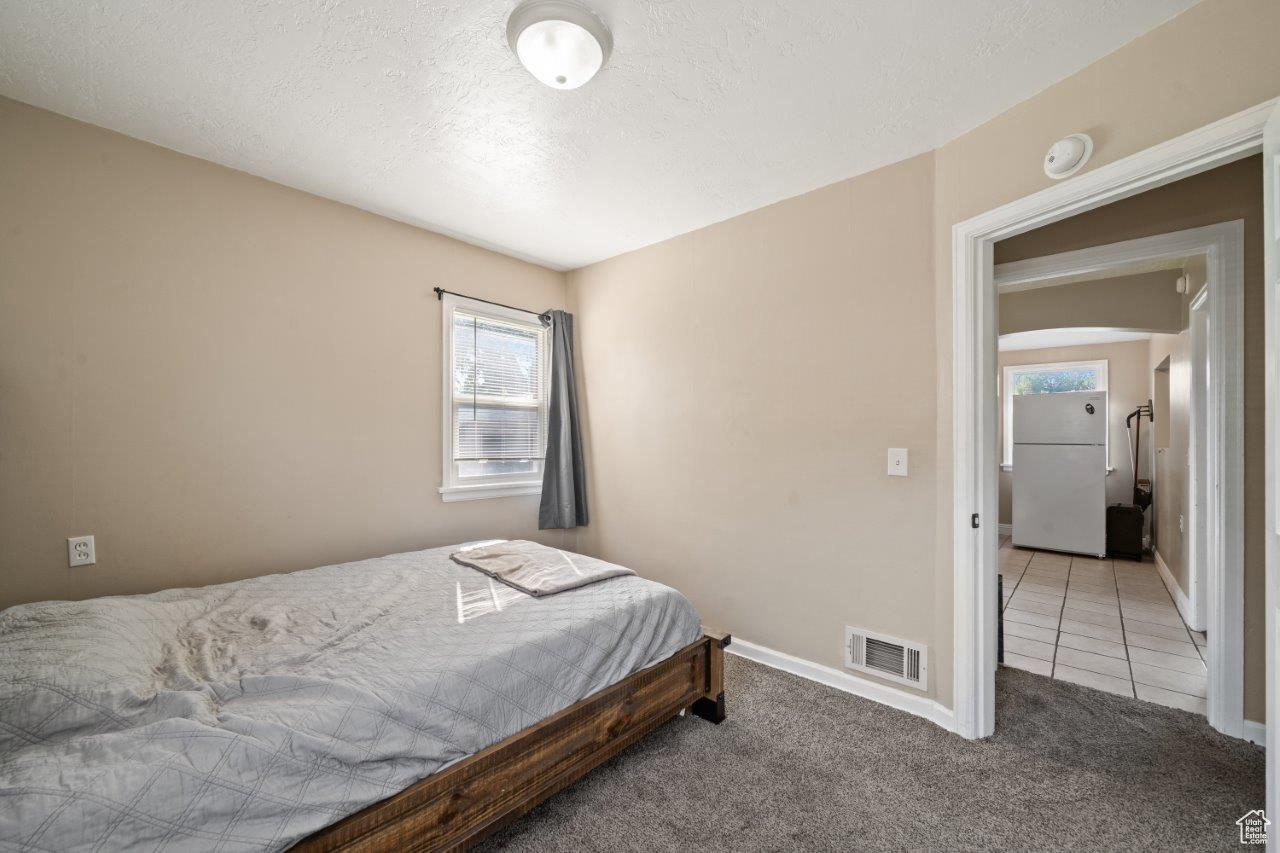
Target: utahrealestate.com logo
x,y
1253,827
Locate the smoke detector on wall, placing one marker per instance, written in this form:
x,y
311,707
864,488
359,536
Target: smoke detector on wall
x,y
1068,156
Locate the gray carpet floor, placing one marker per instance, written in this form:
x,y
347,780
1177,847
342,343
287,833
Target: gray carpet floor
x,y
800,766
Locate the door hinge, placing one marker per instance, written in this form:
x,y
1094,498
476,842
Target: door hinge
x,y
974,521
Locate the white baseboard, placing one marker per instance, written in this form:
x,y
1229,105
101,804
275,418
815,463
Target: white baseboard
x,y
1179,597
920,706
912,703
1006,530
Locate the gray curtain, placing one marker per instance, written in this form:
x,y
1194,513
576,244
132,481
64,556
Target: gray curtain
x,y
564,477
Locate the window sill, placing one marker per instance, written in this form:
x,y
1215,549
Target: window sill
x,y
448,494
1007,467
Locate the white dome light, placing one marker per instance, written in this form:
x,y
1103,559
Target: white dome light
x,y
559,42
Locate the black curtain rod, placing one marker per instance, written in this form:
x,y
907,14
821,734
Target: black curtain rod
x,y
440,292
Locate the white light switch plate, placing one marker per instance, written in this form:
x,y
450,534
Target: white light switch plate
x,y
897,462
80,551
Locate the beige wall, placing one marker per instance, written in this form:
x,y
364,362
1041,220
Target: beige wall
x,y
1146,302
1213,60
215,375
715,465
745,382
1128,384
1171,482
1216,59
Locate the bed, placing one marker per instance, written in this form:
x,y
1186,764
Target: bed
x,y
405,702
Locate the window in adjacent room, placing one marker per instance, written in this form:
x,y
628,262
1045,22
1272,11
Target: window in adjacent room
x,y
1047,379
496,366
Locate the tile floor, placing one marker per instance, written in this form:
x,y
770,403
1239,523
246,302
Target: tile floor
x,y
1107,624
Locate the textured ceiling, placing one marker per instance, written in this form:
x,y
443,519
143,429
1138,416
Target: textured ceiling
x,y
418,110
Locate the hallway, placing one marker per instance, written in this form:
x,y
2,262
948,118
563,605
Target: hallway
x,y
1106,624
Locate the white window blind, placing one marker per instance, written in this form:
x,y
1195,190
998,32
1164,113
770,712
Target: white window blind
x,y
497,379
496,363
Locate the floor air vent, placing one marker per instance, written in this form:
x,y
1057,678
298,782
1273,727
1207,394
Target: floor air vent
x,y
886,657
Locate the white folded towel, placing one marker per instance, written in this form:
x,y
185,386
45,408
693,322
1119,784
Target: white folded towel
x,y
536,569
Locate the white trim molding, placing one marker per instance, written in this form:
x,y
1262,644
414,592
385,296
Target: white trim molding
x,y
1271,236
1198,538
903,700
452,486
1175,592
975,405
1271,305
1020,275
449,494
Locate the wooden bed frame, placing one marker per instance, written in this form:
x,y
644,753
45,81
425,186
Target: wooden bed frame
x,y
460,805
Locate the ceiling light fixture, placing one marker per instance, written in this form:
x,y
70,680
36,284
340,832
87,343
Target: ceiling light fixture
x,y
559,42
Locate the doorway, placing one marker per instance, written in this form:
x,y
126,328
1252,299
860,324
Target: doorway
x,y
975,410
1125,625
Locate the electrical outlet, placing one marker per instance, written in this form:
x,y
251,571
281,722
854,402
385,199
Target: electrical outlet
x,y
80,551
1182,524
897,462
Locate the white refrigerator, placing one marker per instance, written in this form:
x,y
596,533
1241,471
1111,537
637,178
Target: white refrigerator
x,y
1060,472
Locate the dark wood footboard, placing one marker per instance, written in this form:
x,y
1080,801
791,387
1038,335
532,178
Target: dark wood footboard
x,y
460,805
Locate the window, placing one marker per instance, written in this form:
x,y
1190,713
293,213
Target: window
x,y
496,365
1048,379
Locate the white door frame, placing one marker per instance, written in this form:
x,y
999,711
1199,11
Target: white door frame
x,y
1198,475
974,405
1219,514
1271,234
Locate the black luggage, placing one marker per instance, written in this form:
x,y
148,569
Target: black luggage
x,y
1124,531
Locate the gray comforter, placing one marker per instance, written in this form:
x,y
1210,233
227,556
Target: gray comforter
x,y
249,715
